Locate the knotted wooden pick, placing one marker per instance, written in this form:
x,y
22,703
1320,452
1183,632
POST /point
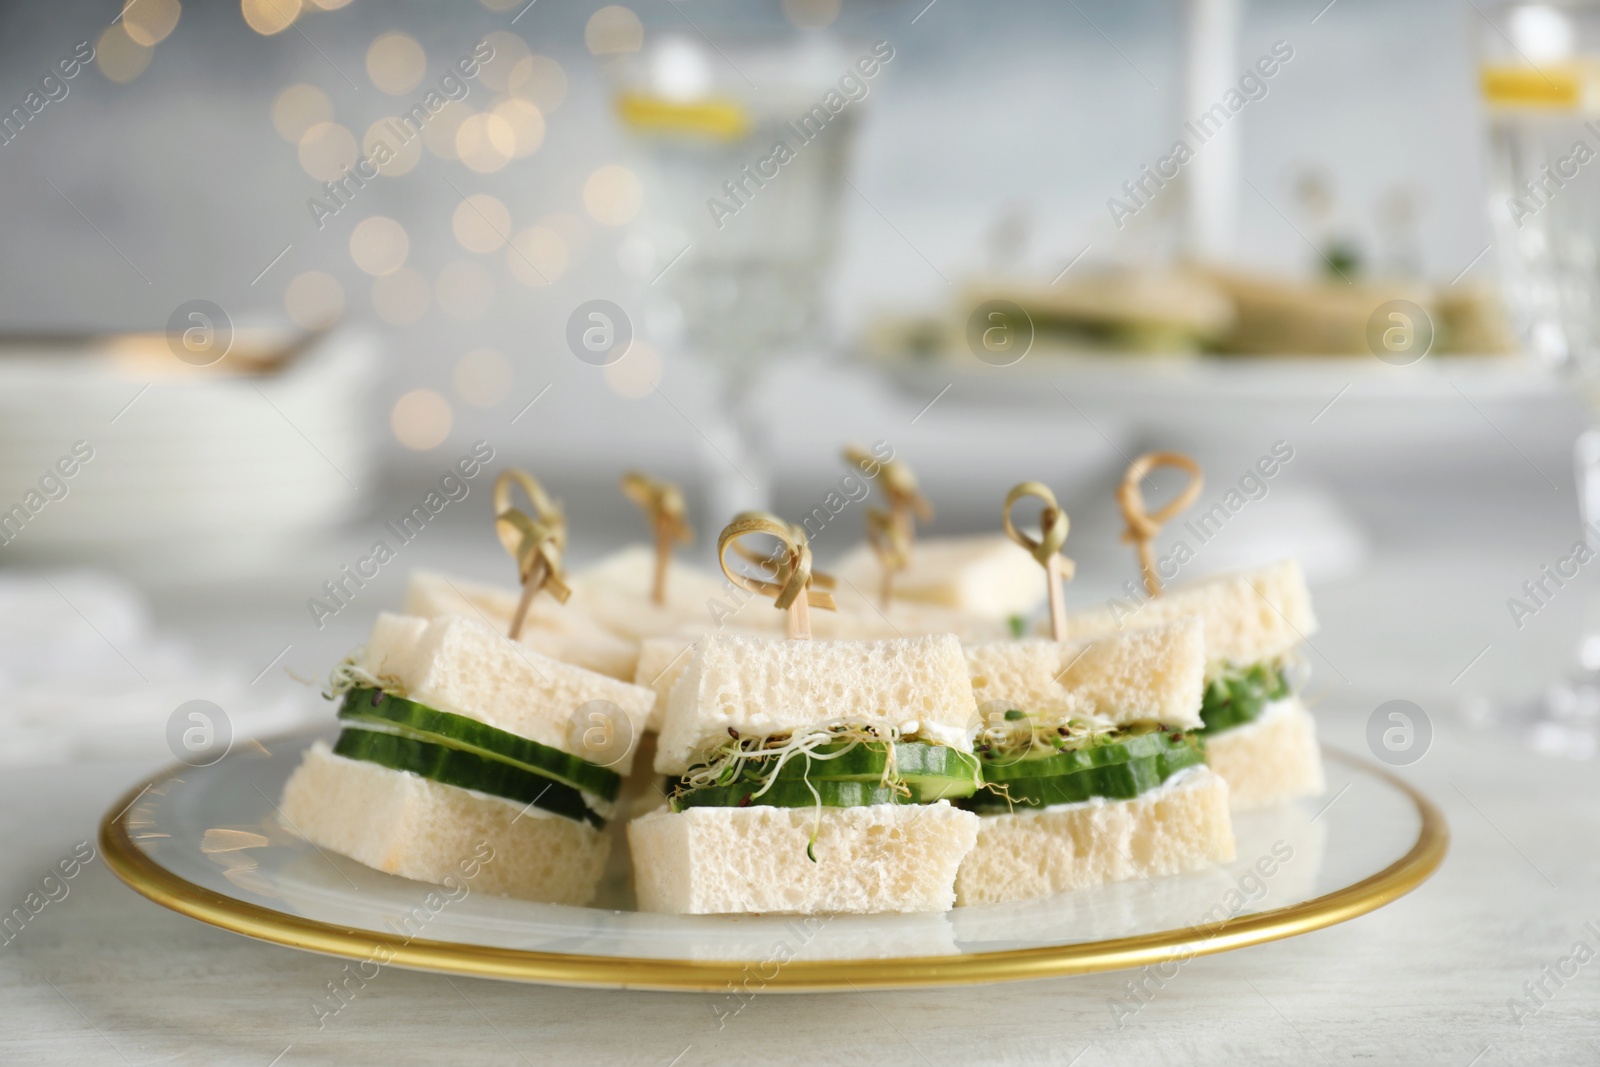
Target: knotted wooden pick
x,y
1053,525
535,543
899,485
792,575
1142,525
664,506
892,546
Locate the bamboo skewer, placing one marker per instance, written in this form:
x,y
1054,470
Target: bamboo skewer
x,y
1053,526
665,509
1142,526
891,533
792,581
536,544
892,546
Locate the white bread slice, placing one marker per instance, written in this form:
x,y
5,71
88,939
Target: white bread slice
x,y
560,631
405,824
1271,759
1150,675
882,858
862,617
460,665
1183,825
615,592
989,576
761,686
1250,617
664,658
662,661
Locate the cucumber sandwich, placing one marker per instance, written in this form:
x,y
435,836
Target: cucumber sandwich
x,y
811,776
1093,765
561,631
455,737
1258,734
986,576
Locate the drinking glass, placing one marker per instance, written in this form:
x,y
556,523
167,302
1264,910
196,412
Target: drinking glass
x,y
737,232
1540,79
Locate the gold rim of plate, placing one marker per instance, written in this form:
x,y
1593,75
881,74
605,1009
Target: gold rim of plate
x,y
149,878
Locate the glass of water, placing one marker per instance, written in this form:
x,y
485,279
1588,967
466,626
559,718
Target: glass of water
x,y
742,146
1540,79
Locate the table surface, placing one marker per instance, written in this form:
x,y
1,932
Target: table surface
x,y
102,976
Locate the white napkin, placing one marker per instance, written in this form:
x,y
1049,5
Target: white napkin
x,y
84,675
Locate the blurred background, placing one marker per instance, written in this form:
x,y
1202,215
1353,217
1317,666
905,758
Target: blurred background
x,y
275,267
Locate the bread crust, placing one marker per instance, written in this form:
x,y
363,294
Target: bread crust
x,y
1184,825
407,825
1271,760
882,858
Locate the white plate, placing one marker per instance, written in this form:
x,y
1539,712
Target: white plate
x,y
206,842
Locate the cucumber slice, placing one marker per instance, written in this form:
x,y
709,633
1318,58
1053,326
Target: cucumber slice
x,y
792,793
465,770
865,762
422,723
1116,781
930,772
1102,751
1233,700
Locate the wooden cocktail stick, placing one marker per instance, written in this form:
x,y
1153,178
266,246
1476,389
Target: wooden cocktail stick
x,y
664,506
791,587
535,543
1143,526
1053,526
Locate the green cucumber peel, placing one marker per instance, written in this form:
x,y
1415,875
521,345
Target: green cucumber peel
x,y
1117,746
915,771
465,770
1115,781
390,713
1239,696
869,761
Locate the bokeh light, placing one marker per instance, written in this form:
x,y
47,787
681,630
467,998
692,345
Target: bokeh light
x,y
483,378
612,195
330,5
314,300
149,21
421,420
298,108
636,374
379,245
810,14
326,149
613,29
400,298
481,223
465,290
537,256
485,142
573,231
403,154
509,50
269,16
396,63
525,122
439,135
119,57
539,80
